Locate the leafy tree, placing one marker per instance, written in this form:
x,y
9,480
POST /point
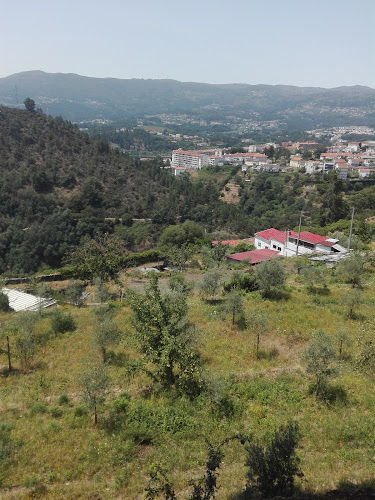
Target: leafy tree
x,y
272,467
320,361
351,269
242,281
179,256
106,333
181,234
269,274
94,382
234,304
29,104
99,257
333,206
211,283
26,342
166,337
352,301
218,252
257,322
315,279
102,293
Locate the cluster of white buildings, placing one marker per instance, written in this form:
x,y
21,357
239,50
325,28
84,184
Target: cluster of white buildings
x,y
348,159
187,160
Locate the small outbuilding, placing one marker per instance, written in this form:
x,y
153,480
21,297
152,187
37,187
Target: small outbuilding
x,y
253,257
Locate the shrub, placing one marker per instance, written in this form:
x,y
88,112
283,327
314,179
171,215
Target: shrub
x,y
272,467
63,400
56,412
38,408
80,411
62,322
246,282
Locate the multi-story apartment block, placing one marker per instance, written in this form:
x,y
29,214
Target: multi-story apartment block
x,y
189,159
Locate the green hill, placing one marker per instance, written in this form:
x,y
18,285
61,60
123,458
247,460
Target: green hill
x,y
80,98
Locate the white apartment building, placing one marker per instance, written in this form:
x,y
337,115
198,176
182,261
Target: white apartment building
x,y
189,159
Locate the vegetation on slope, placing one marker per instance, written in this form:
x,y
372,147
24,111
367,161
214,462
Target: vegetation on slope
x,y
53,447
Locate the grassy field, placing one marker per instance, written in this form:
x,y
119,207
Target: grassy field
x,y
57,452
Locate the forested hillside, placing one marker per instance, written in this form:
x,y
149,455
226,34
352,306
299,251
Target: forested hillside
x,y
58,187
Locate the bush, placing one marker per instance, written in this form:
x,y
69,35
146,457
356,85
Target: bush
x,y
62,322
246,282
63,400
272,467
38,408
4,302
56,412
80,411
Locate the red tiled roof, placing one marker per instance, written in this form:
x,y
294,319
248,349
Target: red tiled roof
x,y
280,236
315,239
273,233
254,256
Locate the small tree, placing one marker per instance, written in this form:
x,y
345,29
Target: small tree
x,y
351,269
352,300
314,277
272,467
343,340
320,361
102,293
234,304
166,337
179,256
26,341
257,322
4,302
211,283
95,383
269,275
106,334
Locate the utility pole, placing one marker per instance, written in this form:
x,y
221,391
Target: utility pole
x,y
351,230
299,232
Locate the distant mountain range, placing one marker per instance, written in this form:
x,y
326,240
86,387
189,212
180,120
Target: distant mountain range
x,y
79,98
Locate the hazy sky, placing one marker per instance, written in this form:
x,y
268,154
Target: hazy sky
x,y
324,43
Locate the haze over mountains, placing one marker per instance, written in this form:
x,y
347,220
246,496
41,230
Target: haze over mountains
x,y
79,98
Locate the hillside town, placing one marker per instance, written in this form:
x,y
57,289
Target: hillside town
x,y
348,159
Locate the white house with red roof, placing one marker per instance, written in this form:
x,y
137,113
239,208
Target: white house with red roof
x,y
286,242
